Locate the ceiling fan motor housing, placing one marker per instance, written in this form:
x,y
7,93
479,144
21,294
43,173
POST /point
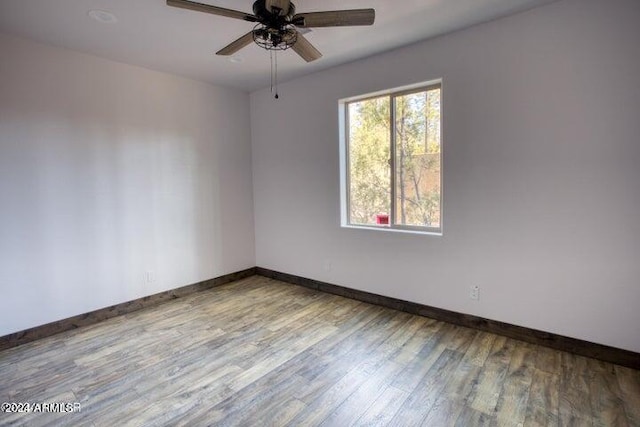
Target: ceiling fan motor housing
x,y
275,16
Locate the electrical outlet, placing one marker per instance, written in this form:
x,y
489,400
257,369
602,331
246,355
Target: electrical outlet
x,y
148,277
327,265
474,293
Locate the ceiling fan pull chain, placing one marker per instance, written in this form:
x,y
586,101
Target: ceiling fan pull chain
x,y
271,69
275,53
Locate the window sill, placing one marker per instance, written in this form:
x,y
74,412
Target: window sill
x,y
393,230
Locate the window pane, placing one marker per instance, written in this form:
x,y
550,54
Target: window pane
x,y
369,161
417,158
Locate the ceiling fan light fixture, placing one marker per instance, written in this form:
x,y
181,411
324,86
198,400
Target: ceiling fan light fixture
x,y
275,38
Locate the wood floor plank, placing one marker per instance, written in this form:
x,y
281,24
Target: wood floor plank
x,y
318,308
384,408
425,333
321,407
512,403
261,352
423,397
471,417
462,339
629,382
282,414
246,406
575,406
277,358
445,413
490,382
359,401
415,369
606,396
544,395
462,382
511,408
548,360
480,348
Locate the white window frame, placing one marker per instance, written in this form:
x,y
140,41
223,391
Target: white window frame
x,y
343,124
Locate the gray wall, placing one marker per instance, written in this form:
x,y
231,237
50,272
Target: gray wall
x,y
108,171
541,174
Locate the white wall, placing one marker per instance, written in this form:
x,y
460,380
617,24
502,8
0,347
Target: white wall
x,y
541,174
108,171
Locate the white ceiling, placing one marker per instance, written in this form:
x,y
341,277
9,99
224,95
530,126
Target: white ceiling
x,y
153,35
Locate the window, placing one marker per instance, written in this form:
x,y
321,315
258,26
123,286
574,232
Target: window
x,y
391,155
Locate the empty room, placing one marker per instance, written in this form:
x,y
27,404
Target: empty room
x,y
320,213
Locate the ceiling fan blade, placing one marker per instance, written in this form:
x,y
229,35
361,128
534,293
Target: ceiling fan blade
x,y
281,5
235,46
207,8
335,18
305,49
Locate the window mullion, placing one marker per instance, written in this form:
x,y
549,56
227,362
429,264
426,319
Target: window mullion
x,y
392,159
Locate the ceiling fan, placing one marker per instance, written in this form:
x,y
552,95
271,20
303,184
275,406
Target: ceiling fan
x,y
277,24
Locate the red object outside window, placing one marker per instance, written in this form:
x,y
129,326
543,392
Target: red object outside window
x,y
382,219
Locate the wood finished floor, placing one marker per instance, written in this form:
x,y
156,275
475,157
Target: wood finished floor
x,y
264,353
